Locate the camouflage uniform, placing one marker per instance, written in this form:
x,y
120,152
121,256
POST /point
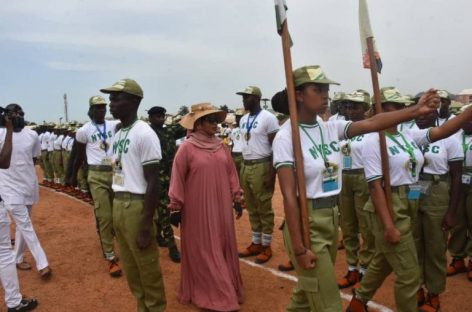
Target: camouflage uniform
x,y
168,149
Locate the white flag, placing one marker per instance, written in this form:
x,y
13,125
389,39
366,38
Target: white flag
x,y
366,32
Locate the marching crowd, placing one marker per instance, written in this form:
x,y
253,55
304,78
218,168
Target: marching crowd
x,y
142,178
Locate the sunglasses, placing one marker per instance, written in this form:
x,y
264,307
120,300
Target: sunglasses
x,y
211,119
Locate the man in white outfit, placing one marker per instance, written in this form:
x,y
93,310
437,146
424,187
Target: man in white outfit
x,y
19,191
8,276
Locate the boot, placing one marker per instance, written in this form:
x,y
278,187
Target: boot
x,y
252,250
174,254
432,304
287,266
351,278
161,241
457,266
420,297
356,305
264,256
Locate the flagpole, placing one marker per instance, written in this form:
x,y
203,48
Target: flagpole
x,y
378,109
297,149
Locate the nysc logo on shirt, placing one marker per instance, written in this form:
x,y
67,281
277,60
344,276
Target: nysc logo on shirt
x,y
394,150
427,148
254,125
98,137
326,149
121,146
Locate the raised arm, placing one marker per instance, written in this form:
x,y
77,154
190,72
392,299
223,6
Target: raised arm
x,y
427,103
451,126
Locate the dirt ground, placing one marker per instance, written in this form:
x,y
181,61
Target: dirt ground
x,y
80,282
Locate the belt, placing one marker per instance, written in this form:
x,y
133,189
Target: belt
x,y
236,153
128,195
256,161
44,150
353,171
467,170
324,202
57,150
100,168
400,189
433,177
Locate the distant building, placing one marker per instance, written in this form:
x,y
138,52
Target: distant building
x,y
465,96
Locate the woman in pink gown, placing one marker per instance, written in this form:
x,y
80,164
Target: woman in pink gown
x,y
203,186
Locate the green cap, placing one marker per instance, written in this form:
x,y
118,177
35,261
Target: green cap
x,y
125,85
311,74
251,90
97,100
338,97
239,112
443,94
359,96
393,95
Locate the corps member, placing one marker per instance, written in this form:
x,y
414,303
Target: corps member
x,y
317,289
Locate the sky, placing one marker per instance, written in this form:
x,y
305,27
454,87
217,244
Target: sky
x,y
185,52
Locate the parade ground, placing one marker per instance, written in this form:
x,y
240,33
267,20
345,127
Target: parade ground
x,y
80,281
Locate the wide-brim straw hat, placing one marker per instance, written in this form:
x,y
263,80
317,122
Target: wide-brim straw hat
x,y
199,110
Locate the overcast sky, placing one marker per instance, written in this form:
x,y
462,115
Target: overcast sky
x,y
184,52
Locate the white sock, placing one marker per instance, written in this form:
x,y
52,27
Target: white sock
x,y
352,268
266,239
256,238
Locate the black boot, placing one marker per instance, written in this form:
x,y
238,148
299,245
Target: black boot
x,y
174,254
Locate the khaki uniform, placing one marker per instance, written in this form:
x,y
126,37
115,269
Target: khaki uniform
x,y
308,295
142,267
432,257
258,196
401,258
238,161
58,165
48,171
100,180
460,243
354,194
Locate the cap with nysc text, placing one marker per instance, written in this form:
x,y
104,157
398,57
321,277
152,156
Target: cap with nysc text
x,y
393,95
156,110
125,85
311,74
251,90
97,100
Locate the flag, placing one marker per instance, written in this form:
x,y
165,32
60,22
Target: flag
x,y
366,32
280,16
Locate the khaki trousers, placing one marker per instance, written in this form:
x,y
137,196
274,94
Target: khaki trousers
x,y
460,243
354,195
401,259
258,196
141,267
317,290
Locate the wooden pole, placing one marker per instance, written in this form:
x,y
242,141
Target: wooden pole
x,y
378,109
297,149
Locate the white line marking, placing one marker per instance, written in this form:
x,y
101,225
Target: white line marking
x,y
277,273
292,278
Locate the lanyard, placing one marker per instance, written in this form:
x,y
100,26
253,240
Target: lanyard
x,y
128,130
411,123
249,126
325,159
465,146
104,133
406,148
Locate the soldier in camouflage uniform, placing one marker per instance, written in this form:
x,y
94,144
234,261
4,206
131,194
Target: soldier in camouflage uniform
x,y
165,233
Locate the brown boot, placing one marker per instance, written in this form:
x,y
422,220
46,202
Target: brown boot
x,y
287,266
432,304
420,297
252,250
356,305
469,271
457,266
264,256
351,278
